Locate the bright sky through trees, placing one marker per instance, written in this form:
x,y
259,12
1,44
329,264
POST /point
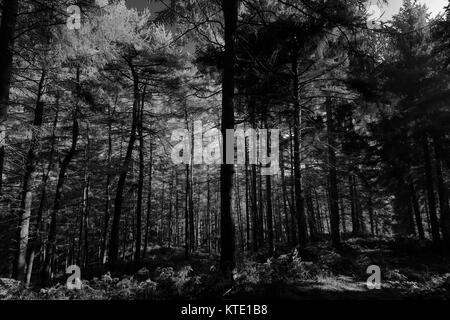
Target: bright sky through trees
x,y
435,6
393,6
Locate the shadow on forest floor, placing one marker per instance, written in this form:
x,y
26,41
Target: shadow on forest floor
x,y
410,269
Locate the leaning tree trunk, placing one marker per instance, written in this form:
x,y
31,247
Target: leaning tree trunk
x,y
227,237
37,243
51,241
7,34
27,188
115,228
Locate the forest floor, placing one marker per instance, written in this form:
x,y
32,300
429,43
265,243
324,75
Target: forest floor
x,y
410,269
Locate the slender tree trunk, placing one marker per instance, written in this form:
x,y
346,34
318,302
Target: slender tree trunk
x,y
138,244
356,230
208,211
149,202
51,241
359,212
169,224
319,213
293,207
177,217
239,214
86,190
227,237
254,199
332,178
27,188
430,192
187,237
7,36
261,210
417,215
192,229
343,220
247,204
299,202
285,202
104,247
161,220
80,221
269,213
371,214
114,241
403,208
36,245
443,197
311,216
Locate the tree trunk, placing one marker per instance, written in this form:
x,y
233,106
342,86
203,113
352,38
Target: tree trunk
x,y
104,248
285,200
187,237
169,221
403,209
85,212
343,220
208,210
371,214
261,209
239,214
27,188
417,215
149,202
36,246
332,178
311,217
177,217
138,244
294,228
161,220
269,213
356,230
299,203
192,229
7,36
430,193
227,237
247,203
114,241
443,197
319,212
51,241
